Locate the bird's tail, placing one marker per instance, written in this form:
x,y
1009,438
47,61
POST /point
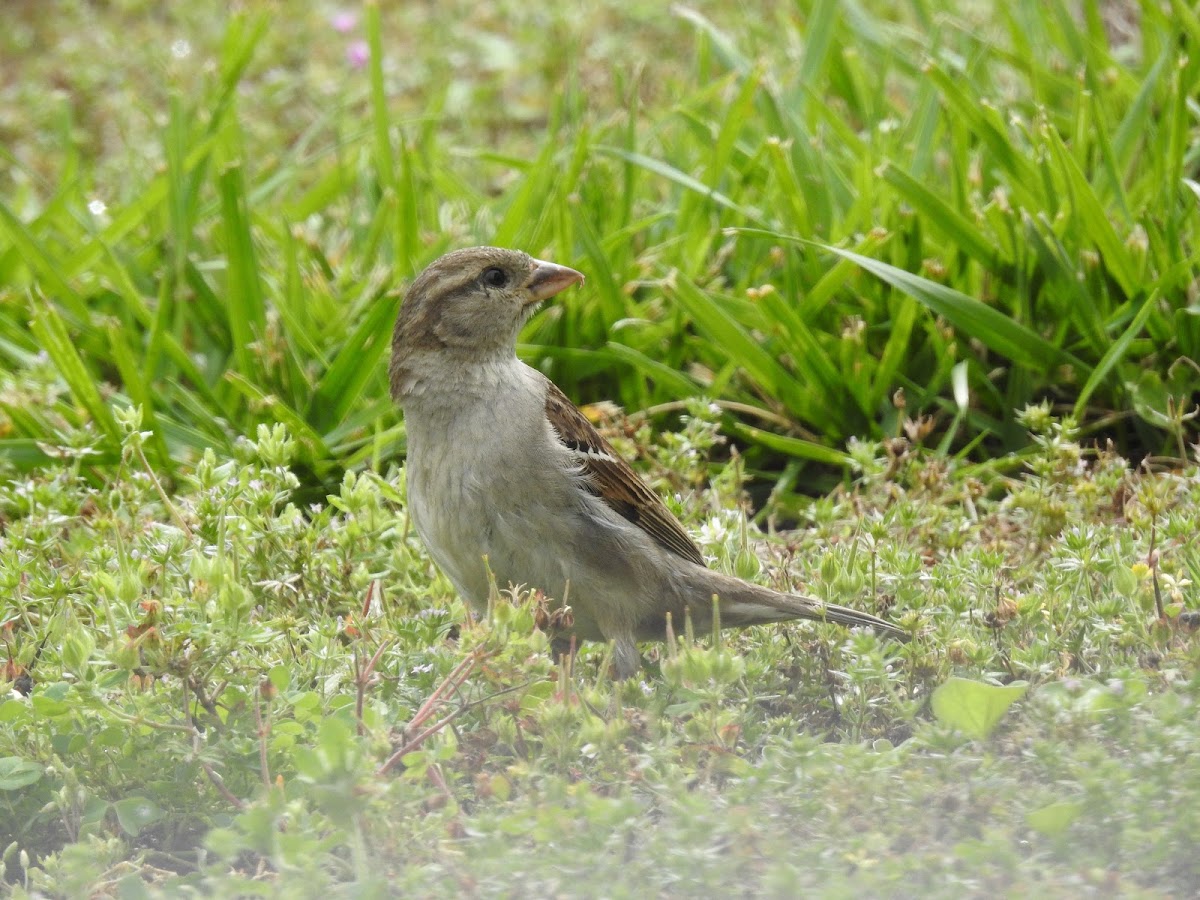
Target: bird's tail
x,y
742,603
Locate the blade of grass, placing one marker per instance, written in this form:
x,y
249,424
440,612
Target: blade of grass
x,y
791,446
43,264
140,393
962,232
1114,355
53,338
1092,219
973,318
687,182
358,360
318,451
244,308
743,350
826,287
980,120
897,348
675,382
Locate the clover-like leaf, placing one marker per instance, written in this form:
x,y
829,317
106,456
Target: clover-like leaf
x,y
136,813
16,773
1055,818
972,707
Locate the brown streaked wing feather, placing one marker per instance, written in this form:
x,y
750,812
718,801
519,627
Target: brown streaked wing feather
x,y
611,479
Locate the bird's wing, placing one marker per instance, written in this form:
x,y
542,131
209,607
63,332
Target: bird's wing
x,y
611,479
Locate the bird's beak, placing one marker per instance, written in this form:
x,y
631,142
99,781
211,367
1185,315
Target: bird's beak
x,y
548,279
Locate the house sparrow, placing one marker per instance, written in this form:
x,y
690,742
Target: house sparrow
x,y
506,474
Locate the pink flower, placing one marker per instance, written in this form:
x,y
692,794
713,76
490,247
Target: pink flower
x,y
357,54
344,22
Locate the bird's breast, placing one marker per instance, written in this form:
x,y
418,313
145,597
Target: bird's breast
x,y
475,488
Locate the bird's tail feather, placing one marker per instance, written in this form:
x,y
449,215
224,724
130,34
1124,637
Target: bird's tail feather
x,y
742,603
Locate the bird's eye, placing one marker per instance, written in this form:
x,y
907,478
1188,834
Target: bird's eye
x,y
495,277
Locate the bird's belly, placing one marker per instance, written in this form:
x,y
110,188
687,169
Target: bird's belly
x,y
454,521
538,540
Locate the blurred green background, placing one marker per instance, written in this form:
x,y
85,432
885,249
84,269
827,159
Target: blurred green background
x,y
795,210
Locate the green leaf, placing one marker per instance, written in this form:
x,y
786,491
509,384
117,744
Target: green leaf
x,y
17,773
1056,818
135,814
972,707
297,425
12,710
24,453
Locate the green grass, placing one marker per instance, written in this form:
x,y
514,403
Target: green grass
x,y
919,262
230,697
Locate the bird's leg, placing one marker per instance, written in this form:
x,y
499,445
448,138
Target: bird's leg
x,y
564,648
626,659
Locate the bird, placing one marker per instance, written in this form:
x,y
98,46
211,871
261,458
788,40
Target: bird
x,y
507,478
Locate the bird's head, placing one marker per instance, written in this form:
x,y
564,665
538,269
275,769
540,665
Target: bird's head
x,y
469,306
